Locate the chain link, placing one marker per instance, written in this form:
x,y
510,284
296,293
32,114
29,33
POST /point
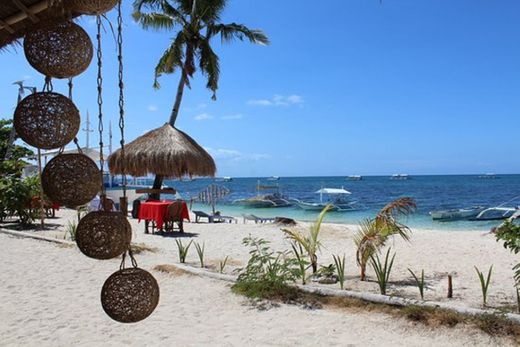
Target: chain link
x,y
121,93
100,101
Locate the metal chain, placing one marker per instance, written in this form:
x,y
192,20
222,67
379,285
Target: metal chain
x,y
121,93
100,101
132,259
48,87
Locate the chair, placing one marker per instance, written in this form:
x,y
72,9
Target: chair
x,y
256,219
201,214
174,215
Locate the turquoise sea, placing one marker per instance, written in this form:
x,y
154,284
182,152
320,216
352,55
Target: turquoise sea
x,y
430,193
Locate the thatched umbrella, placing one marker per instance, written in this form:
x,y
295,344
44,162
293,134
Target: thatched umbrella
x,y
165,152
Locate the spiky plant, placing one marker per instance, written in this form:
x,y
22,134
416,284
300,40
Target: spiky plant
x,y
222,264
382,270
374,233
484,283
200,252
310,242
183,250
300,258
340,269
419,281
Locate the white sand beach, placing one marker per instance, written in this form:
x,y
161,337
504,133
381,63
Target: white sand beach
x,y
56,301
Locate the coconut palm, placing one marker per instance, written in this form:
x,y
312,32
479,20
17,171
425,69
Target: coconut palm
x,y
373,233
195,23
310,243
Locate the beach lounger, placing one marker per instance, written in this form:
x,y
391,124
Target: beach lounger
x,y
213,218
256,219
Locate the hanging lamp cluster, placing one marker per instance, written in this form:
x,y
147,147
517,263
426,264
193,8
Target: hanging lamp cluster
x,y
49,120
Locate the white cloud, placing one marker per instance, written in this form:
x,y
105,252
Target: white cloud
x,y
153,108
203,116
198,107
278,100
233,116
235,156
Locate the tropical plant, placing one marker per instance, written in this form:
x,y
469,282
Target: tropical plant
x,y
374,233
382,270
183,250
300,258
340,269
267,273
194,24
484,283
509,233
71,230
200,252
309,242
13,165
16,196
222,264
419,282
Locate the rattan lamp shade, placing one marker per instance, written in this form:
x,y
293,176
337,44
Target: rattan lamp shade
x,y
92,7
60,51
71,179
46,120
130,295
103,234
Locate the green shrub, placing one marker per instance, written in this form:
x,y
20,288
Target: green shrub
x,y
484,283
183,250
509,233
382,270
16,195
267,273
340,269
419,282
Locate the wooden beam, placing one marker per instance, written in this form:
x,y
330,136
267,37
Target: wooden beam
x,y
20,16
7,27
26,11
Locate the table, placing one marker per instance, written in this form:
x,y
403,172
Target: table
x,y
157,211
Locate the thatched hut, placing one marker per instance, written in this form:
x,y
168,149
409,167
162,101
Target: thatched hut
x,y
165,152
17,17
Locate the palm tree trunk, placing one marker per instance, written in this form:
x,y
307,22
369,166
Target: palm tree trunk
x,y
314,263
158,181
178,98
363,270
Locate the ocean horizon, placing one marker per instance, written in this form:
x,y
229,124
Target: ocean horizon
x,y
431,192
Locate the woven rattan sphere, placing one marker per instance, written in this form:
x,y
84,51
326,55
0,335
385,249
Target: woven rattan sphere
x,y
46,120
61,51
71,179
103,235
92,7
130,295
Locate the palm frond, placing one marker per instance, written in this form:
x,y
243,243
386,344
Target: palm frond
x,y
171,59
154,20
209,65
230,32
401,206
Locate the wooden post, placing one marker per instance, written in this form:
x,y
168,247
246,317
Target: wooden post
x,y
42,208
123,205
450,287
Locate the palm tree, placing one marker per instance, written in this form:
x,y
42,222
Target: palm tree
x,y
310,243
373,233
196,23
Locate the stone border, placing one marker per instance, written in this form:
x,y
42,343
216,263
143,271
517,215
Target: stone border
x,y
367,297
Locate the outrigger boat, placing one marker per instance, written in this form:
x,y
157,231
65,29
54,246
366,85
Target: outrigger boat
x,y
337,199
496,213
457,214
274,199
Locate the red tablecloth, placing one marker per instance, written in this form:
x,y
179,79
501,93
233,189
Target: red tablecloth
x,y
158,211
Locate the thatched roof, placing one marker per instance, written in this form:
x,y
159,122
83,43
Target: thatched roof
x,y
165,151
17,17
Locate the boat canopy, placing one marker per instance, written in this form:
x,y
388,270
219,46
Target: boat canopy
x,y
333,191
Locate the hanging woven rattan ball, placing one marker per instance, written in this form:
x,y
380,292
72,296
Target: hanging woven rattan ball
x,y
61,51
46,120
71,179
130,295
103,234
92,7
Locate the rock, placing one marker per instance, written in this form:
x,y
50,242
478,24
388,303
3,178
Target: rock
x,y
285,221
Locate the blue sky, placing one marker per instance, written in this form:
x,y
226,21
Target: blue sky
x,y
346,87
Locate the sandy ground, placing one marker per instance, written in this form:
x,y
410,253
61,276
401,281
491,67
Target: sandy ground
x,y
50,294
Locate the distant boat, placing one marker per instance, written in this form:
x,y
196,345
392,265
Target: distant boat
x,y
355,178
337,198
456,214
496,213
488,176
224,179
273,199
274,178
400,177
